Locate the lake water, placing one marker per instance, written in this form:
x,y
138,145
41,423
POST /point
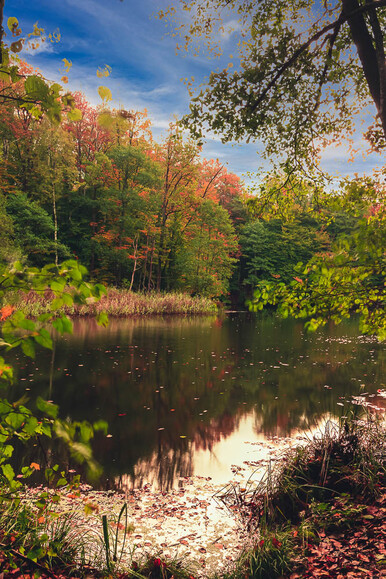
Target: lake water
x,y
186,396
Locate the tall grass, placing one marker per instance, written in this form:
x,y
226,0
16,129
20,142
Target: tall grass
x,y
349,457
323,486
120,303
53,541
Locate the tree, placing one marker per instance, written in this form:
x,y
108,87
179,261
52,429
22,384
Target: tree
x,y
208,256
303,69
272,249
348,279
34,231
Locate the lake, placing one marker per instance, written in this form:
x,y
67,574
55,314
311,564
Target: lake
x,y
194,396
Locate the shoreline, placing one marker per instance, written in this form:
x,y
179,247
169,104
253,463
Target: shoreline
x,y
119,303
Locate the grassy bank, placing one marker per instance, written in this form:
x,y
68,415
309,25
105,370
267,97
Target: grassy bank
x,y
320,512
120,303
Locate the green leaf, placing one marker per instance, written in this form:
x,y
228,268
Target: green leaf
x,y
57,303
6,451
100,425
61,482
102,319
75,115
67,325
15,420
44,339
31,425
36,88
8,471
58,325
28,347
57,286
47,407
67,299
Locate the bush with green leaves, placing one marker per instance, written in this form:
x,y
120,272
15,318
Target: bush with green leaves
x,y
17,420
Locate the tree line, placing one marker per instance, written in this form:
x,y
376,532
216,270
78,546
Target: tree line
x,y
156,216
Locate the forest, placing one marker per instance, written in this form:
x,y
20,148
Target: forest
x,y
158,217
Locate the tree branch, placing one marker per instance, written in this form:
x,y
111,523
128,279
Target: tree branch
x,y
344,17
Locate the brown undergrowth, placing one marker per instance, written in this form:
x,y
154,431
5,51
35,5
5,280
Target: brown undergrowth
x,y
118,302
321,511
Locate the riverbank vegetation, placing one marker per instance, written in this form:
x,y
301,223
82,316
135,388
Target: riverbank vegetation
x,y
117,303
318,512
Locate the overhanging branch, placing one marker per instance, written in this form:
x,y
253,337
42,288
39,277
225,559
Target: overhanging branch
x,y
343,17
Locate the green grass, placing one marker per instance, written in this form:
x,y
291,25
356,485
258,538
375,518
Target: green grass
x,y
269,558
349,457
40,542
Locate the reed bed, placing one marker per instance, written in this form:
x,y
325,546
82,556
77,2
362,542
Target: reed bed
x,y
119,303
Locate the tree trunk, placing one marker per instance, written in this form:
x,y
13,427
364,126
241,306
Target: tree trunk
x,y
55,223
372,58
1,29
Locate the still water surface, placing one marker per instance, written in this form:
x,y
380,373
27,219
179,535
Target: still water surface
x,y
186,396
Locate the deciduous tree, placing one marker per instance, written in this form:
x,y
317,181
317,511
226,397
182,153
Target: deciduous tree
x,y
299,72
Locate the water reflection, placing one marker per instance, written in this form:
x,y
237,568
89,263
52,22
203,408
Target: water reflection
x,y
175,390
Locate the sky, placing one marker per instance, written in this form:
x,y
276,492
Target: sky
x,y
146,71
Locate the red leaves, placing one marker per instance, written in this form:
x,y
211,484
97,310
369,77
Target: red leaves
x,y
5,312
354,552
158,563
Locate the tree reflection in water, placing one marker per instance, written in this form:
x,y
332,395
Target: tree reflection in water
x,y
172,387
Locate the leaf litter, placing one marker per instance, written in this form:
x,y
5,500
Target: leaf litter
x,y
187,522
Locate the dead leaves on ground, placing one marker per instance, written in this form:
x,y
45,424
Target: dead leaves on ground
x,y
358,552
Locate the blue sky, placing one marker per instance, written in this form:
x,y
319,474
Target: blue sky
x,y
146,72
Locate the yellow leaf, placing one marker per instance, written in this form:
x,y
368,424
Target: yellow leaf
x,y
56,36
37,31
67,64
106,71
64,79
105,93
13,25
